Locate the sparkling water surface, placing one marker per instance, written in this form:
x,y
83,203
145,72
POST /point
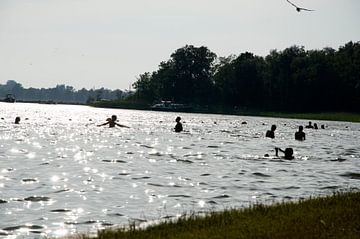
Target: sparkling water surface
x,y
60,174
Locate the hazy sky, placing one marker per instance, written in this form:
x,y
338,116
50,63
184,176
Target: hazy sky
x,y
108,43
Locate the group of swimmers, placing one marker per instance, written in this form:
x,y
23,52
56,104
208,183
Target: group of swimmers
x,y
112,123
299,135
288,152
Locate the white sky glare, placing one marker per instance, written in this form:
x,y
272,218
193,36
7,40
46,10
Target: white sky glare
x,y
108,43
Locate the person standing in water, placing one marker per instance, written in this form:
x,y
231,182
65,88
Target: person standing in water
x,y
17,120
300,135
271,133
309,126
178,127
112,122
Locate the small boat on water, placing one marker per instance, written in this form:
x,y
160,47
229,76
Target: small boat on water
x,y
9,98
170,106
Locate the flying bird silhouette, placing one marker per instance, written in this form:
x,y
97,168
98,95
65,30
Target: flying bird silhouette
x,y
299,8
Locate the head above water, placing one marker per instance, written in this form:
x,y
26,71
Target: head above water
x,y
273,127
17,120
113,117
289,153
178,119
301,128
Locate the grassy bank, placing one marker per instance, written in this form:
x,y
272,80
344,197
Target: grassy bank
x,y
337,116
336,216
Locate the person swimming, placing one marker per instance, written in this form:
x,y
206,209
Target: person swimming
x,y
271,133
17,120
309,126
178,127
112,122
300,135
288,153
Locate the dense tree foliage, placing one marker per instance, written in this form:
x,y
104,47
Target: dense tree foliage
x,y
186,77
60,93
291,80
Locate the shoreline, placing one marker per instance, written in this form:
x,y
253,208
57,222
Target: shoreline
x,y
335,216
321,115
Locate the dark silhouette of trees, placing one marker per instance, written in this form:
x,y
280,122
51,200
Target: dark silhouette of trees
x,y
186,77
347,65
58,94
240,81
290,80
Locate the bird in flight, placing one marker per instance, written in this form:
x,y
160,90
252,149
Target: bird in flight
x,y
299,8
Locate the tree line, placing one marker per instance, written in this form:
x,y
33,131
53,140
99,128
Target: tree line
x,y
59,94
293,79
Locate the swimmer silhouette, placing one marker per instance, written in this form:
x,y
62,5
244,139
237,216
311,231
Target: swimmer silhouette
x,y
288,153
17,120
112,122
271,133
309,126
178,127
299,8
300,135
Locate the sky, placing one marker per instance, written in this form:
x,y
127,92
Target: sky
x,y
109,43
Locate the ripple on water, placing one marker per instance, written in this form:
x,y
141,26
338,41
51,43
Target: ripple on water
x,y
351,175
156,185
29,180
261,175
60,210
179,196
286,188
222,196
184,161
102,223
37,199
62,190
26,226
331,187
141,178
115,215
113,161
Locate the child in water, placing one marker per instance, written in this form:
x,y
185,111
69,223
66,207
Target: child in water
x,y
17,120
288,153
271,133
178,127
112,122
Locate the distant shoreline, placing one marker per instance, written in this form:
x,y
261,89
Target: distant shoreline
x,y
328,116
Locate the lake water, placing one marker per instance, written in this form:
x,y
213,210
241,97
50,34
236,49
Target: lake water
x,y
60,174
